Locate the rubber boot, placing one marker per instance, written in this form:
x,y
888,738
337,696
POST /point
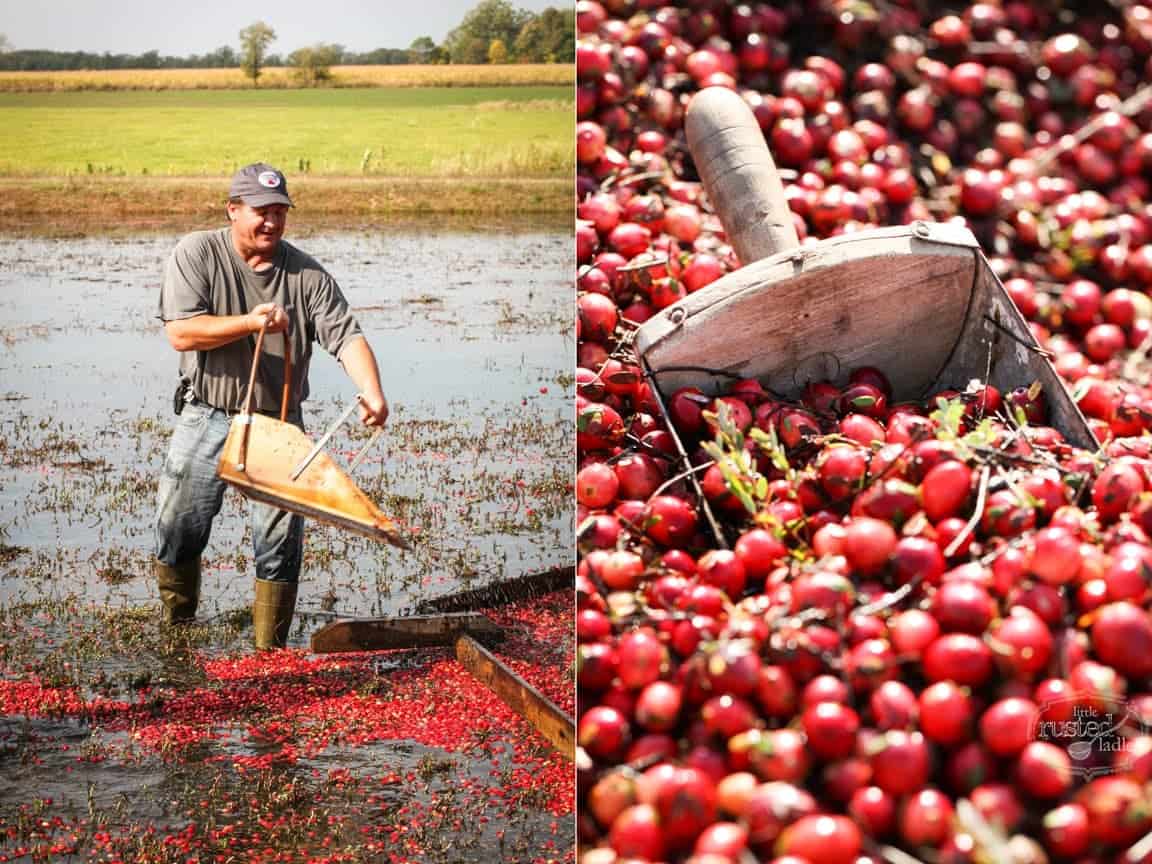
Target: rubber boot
x,y
272,613
179,590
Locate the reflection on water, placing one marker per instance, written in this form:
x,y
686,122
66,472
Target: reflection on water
x,y
472,333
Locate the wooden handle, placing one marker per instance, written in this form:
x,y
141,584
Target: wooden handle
x,y
255,364
242,460
287,377
739,174
287,373
252,388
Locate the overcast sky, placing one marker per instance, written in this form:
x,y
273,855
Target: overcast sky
x,y
199,26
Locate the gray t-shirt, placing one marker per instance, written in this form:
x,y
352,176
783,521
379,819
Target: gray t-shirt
x,y
206,275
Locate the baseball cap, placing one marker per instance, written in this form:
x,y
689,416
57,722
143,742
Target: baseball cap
x,y
258,185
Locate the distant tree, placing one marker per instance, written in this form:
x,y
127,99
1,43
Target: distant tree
x,y
4,43
564,49
529,45
424,50
380,57
470,51
224,56
560,25
484,23
254,41
313,64
547,38
497,52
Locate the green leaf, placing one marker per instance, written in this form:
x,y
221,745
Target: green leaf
x,y
713,449
727,428
736,463
770,444
587,418
949,414
802,554
982,436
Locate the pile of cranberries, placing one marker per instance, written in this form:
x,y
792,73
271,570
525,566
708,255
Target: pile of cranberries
x,y
846,629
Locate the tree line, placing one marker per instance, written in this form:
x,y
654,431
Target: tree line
x,y
494,31
224,57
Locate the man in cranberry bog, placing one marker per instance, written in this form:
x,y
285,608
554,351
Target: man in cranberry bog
x,y
220,288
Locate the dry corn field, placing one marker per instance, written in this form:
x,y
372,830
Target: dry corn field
x,y
283,77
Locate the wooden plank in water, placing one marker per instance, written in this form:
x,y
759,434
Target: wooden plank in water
x,y
502,591
415,631
551,722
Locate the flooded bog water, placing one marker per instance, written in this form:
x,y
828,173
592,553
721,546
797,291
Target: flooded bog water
x,y
473,334
123,740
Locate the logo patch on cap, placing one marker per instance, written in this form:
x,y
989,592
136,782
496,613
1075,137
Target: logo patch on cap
x,y
269,179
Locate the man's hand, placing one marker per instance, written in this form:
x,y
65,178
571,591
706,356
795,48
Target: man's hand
x,y
373,409
205,332
275,316
360,363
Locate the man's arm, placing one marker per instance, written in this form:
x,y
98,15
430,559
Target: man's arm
x,y
205,332
360,363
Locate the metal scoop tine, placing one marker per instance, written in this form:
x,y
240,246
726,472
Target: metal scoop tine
x,y
307,460
364,450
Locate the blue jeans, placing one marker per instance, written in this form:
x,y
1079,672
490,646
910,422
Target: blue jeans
x,y
190,495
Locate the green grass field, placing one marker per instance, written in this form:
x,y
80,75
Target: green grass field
x,y
495,132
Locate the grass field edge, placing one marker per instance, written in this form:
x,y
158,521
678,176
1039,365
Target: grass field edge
x,y
38,202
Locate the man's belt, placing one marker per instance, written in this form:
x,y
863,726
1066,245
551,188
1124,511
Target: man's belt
x,y
232,412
